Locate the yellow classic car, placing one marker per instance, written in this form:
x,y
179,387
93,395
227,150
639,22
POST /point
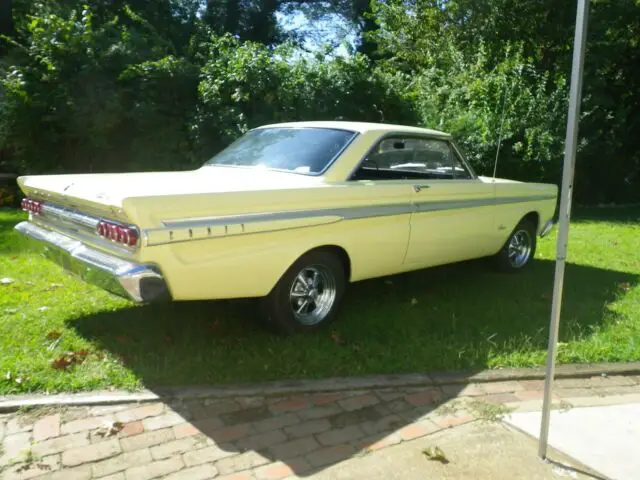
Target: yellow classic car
x,y
290,213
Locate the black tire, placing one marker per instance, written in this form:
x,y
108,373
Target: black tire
x,y
512,258
278,306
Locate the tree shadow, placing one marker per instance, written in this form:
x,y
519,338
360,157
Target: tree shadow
x,y
456,316
618,214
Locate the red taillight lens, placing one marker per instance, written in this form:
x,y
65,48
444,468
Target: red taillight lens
x,y
132,237
32,206
118,233
113,233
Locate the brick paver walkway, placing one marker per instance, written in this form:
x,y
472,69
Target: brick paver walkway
x,y
256,438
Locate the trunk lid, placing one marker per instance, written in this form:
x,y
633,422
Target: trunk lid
x,y
104,194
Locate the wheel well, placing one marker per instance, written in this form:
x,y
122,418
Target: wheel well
x,y
534,218
341,253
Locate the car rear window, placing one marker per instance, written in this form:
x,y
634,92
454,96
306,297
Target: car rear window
x,y
301,150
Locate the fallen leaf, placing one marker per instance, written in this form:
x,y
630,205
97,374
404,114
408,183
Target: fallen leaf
x,y
43,309
53,286
436,454
335,336
414,301
625,286
69,358
110,429
82,354
60,363
11,311
6,281
54,334
215,326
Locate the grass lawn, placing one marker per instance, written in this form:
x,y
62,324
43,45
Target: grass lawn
x,y
456,317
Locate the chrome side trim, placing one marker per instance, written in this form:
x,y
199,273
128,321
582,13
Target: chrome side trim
x,y
475,203
222,226
140,283
347,213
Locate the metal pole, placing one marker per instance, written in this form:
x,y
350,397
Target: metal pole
x,y
564,214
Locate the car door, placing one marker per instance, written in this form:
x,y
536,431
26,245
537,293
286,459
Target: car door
x,y
453,215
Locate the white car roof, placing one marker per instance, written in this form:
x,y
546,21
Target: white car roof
x,y
361,127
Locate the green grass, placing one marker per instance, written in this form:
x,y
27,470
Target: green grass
x,y
466,317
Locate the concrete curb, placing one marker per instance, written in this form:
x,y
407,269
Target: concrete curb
x,y
12,403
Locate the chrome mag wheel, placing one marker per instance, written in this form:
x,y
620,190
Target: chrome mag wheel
x,y
312,294
519,249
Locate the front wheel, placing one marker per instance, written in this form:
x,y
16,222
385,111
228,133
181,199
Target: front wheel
x,y
519,249
308,294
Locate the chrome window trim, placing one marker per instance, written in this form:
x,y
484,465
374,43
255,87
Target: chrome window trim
x,y
422,136
462,159
355,135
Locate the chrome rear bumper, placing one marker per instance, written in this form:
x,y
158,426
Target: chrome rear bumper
x,y
140,283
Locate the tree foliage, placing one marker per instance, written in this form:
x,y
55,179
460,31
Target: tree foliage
x,y
468,56
129,85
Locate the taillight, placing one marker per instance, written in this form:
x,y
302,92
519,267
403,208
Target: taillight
x,y
118,233
32,206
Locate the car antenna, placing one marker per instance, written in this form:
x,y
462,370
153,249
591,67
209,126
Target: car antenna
x,y
495,164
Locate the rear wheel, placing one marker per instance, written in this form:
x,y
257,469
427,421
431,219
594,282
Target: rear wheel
x,y
308,294
519,249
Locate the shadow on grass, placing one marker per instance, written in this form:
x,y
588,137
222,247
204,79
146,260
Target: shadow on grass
x,y
454,317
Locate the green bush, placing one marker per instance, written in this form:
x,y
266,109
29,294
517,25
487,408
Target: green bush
x,y
244,85
148,86
481,104
85,93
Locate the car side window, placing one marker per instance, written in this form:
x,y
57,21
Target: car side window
x,y
407,158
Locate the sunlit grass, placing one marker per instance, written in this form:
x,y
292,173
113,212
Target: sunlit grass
x,y
458,317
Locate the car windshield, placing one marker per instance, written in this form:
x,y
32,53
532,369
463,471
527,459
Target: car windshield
x,y
300,150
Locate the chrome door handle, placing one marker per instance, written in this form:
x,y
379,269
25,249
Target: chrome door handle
x,y
418,188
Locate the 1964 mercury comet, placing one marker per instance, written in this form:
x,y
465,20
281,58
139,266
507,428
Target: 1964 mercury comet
x,y
289,212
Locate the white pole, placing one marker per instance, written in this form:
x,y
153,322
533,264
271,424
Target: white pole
x,y
564,214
